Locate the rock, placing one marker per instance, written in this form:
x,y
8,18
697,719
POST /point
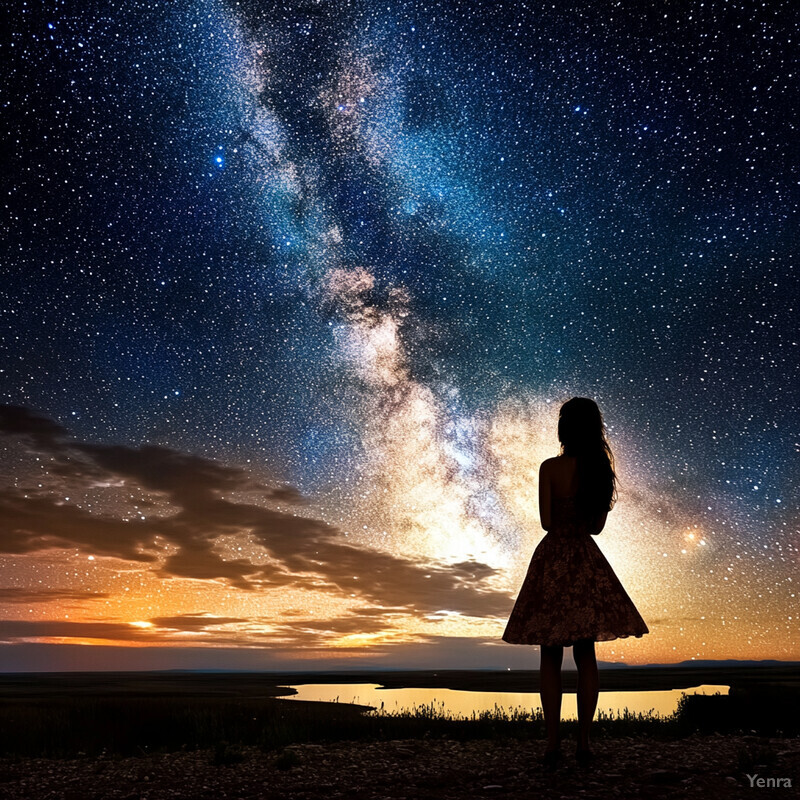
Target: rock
x,y
662,776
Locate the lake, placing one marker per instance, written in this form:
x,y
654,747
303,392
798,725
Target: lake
x,y
462,704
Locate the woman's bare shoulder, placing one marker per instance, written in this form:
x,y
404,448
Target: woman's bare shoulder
x,y
557,461
551,465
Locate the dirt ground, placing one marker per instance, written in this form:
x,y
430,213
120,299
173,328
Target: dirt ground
x,y
715,766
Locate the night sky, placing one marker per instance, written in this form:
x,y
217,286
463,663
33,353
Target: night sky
x,y
292,293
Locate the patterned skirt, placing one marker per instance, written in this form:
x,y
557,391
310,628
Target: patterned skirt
x,y
571,592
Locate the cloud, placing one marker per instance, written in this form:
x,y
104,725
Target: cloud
x,y
29,524
163,630
14,595
203,628
21,421
378,611
193,622
304,552
11,630
338,626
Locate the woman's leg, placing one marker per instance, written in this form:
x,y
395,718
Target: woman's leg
x,y
588,687
550,692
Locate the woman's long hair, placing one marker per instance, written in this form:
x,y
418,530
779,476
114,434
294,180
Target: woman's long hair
x,y
582,434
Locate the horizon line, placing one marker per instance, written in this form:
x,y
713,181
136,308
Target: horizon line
x,y
700,663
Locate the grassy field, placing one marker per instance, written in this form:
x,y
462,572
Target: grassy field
x,y
138,713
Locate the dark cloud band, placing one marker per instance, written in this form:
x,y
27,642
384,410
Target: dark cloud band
x,y
305,552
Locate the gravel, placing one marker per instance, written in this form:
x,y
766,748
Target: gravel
x,y
703,766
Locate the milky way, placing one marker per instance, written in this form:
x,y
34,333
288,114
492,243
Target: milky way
x,y
293,292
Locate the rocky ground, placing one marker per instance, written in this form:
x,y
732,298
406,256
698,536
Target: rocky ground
x,y
714,766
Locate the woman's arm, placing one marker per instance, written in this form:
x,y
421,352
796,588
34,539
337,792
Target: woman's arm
x,y
544,495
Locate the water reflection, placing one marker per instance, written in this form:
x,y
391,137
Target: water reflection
x,y
456,703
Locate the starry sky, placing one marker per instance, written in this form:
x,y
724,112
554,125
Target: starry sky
x,y
292,293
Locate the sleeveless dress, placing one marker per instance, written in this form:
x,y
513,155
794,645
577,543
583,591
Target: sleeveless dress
x,y
570,591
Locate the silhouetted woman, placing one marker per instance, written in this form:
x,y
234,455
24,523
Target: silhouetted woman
x,y
571,596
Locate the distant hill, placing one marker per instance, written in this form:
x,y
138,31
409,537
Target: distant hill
x,y
704,663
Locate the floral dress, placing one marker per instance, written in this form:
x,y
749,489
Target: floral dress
x,y
570,591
